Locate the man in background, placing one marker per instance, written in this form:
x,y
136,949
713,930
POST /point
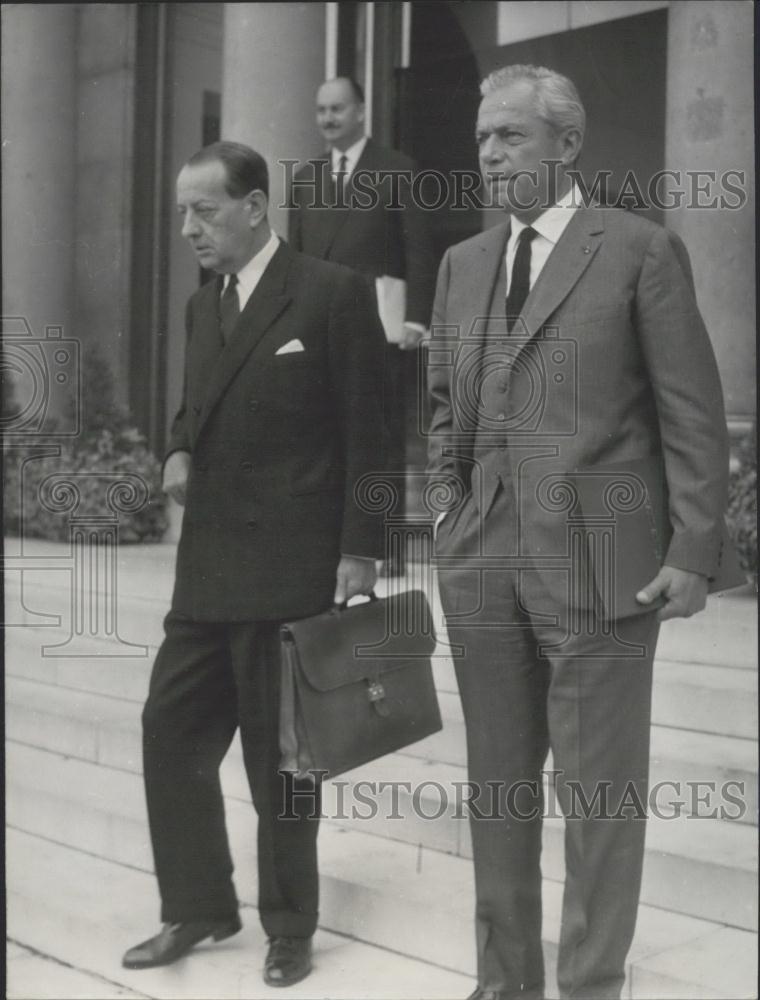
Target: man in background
x,y
390,246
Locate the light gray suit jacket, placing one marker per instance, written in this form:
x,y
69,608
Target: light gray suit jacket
x,y
613,366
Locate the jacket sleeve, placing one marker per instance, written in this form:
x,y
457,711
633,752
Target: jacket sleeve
x,y
446,438
689,398
179,438
356,351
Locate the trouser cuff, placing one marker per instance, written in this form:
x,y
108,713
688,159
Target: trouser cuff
x,y
281,923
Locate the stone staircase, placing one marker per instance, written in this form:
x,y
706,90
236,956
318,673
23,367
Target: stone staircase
x,y
395,875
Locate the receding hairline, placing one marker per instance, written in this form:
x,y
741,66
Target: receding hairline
x,y
355,91
555,97
245,169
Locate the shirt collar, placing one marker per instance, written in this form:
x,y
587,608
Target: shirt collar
x,y
551,223
352,154
250,273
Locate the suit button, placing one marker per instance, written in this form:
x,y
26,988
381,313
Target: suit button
x,y
254,405
251,524
196,409
246,466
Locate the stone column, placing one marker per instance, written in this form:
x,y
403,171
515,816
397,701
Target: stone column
x,y
710,127
105,211
274,60
39,162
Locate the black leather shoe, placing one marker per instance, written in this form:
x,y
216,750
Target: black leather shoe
x,y
288,961
176,940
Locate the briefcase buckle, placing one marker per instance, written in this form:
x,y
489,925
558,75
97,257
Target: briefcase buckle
x,y
376,691
376,694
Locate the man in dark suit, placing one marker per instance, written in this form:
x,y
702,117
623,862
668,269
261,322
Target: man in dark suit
x,y
281,414
341,210
577,409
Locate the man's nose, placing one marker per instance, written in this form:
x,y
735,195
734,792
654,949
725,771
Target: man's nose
x,y
190,226
490,150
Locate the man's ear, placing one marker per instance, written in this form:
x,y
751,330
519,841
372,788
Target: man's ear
x,y
572,140
258,204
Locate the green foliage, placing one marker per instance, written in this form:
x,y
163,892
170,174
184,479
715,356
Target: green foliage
x,y
107,444
742,504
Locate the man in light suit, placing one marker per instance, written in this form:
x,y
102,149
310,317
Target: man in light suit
x,y
341,210
281,414
577,412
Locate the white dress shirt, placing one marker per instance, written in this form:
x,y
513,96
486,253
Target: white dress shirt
x,y
352,155
250,274
549,226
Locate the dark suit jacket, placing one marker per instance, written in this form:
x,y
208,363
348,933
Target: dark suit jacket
x,y
615,353
278,443
374,240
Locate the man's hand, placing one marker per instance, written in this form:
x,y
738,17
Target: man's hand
x,y
176,471
413,334
685,593
354,576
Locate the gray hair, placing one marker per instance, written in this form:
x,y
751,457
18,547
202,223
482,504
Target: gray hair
x,y
557,100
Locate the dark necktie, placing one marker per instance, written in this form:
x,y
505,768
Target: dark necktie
x,y
519,286
340,178
229,308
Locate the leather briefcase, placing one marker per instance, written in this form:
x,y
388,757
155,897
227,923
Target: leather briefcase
x,y
357,683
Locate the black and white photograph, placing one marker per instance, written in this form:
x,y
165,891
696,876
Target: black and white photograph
x,y
380,500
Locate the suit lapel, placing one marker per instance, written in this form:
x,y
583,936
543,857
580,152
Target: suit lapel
x,y
210,337
330,219
262,309
336,218
479,280
571,256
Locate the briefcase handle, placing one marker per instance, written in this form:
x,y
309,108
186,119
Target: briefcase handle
x,y
337,608
375,689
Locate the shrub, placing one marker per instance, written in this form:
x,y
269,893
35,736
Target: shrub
x,y
742,504
107,443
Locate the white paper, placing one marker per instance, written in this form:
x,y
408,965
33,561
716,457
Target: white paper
x,y
391,305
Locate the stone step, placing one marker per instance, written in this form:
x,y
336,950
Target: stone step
x,y
724,634
691,696
107,730
30,974
40,583
84,910
700,867
98,909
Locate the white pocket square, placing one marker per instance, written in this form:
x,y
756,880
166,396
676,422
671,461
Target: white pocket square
x,y
290,348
